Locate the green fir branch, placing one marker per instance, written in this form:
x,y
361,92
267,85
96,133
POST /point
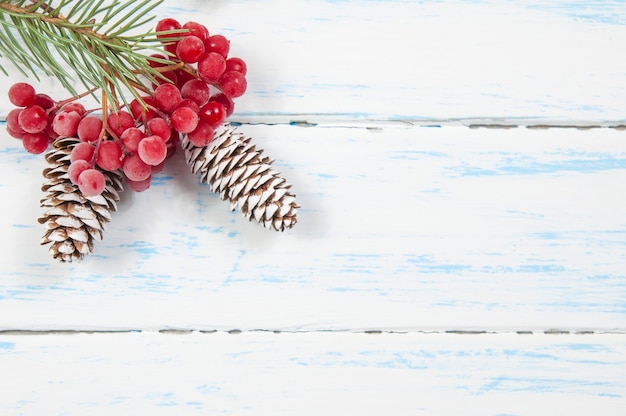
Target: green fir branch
x,y
92,40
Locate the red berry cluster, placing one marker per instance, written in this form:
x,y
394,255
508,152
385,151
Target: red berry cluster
x,y
193,97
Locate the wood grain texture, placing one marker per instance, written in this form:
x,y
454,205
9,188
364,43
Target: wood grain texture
x,y
312,374
556,61
401,228
415,229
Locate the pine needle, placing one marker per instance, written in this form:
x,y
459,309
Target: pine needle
x,y
92,40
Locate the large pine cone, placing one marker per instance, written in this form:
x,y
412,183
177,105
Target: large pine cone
x,y
73,221
234,168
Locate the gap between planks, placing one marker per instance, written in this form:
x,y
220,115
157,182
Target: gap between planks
x,y
347,121
174,331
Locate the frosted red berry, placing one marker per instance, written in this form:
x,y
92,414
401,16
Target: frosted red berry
x,y
13,124
74,106
91,182
196,90
165,25
202,135
109,156
197,29
186,102
44,101
120,121
233,84
151,151
131,138
184,120
167,97
189,49
22,94
211,66
89,129
159,127
35,142
236,64
82,151
140,112
135,169
219,44
65,124
76,168
33,119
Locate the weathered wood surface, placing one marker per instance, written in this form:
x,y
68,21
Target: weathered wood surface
x,y
411,222
401,228
312,374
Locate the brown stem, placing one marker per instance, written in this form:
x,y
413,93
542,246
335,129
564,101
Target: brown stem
x,y
57,21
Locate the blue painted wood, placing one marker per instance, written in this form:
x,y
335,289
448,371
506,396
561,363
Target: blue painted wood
x,y
410,222
313,373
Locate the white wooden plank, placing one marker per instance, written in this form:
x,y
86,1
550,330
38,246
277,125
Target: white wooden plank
x,y
312,374
400,228
555,61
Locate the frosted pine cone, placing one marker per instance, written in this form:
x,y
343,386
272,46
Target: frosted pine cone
x,y
73,221
235,169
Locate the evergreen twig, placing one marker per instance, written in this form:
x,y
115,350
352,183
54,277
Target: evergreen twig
x,y
92,40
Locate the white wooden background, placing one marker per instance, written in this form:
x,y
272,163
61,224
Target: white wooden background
x,y
453,254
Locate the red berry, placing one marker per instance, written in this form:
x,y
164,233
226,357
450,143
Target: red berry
x,y
165,25
139,112
91,182
167,97
15,134
152,151
228,103
189,49
202,135
22,94
233,84
131,138
191,104
109,156
182,77
135,169
33,119
197,29
35,142
74,106
82,151
219,44
236,64
159,127
65,124
184,120
196,90
120,121
76,168
211,66
44,101
213,113
89,129
13,124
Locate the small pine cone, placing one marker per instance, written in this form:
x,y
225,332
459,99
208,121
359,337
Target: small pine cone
x,y
235,169
73,221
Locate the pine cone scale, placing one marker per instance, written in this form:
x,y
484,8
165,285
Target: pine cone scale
x,y
234,168
72,220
